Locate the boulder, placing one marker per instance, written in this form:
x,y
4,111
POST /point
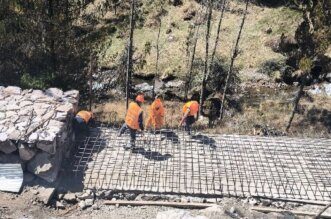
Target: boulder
x,y
47,141
70,197
327,89
12,90
26,153
54,92
45,194
6,145
72,93
59,205
45,165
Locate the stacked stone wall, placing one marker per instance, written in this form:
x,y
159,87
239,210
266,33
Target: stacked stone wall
x,y
36,128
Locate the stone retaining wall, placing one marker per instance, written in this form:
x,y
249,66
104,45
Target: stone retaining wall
x,y
36,128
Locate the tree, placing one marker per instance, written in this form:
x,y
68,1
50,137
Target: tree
x,y
313,36
203,84
39,46
233,58
130,53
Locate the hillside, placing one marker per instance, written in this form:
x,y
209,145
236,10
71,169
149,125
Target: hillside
x,y
263,25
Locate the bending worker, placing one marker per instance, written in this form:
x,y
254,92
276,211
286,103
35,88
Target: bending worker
x,y
155,114
190,112
81,122
134,120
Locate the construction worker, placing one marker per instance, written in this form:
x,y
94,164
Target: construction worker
x,y
133,120
190,112
155,114
81,122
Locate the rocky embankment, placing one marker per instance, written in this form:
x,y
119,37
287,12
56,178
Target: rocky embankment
x,y
36,128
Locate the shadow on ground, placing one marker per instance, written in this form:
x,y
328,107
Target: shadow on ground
x,y
152,155
205,140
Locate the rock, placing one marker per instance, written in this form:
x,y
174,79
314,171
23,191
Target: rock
x,y
54,92
33,138
328,77
168,76
70,197
95,207
327,89
89,202
26,153
60,196
175,84
45,166
144,88
59,205
45,194
60,116
72,93
266,202
12,90
26,103
82,205
67,108
146,197
130,196
47,142
6,145
177,214
88,194
12,107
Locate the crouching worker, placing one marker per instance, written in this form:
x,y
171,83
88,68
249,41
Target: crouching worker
x,y
190,112
81,123
155,114
133,120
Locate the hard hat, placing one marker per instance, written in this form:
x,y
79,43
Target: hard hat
x,y
140,98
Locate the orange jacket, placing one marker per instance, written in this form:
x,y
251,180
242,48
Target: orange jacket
x,y
156,114
85,115
193,106
132,115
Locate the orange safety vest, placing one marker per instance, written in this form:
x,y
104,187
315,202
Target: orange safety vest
x,y
156,114
132,115
85,115
193,106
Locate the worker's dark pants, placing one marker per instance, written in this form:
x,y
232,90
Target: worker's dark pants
x,y
133,133
188,123
80,127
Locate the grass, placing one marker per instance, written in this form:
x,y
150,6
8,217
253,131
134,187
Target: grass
x,y
173,55
273,112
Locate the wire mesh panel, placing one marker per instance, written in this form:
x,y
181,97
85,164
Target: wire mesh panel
x,y
171,161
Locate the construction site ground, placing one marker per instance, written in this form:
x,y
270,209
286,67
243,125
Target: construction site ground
x,y
171,166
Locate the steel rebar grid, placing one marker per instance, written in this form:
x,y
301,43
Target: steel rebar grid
x,y
170,161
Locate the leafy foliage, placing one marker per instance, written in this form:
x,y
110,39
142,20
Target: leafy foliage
x,y
39,45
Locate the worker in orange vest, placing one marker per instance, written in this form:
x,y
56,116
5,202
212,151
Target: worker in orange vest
x,y
81,122
155,114
190,112
134,120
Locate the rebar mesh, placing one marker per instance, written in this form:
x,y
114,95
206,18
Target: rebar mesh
x,y
207,165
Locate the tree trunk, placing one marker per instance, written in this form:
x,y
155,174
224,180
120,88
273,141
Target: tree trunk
x,y
296,103
203,84
129,60
211,64
189,75
234,55
157,53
